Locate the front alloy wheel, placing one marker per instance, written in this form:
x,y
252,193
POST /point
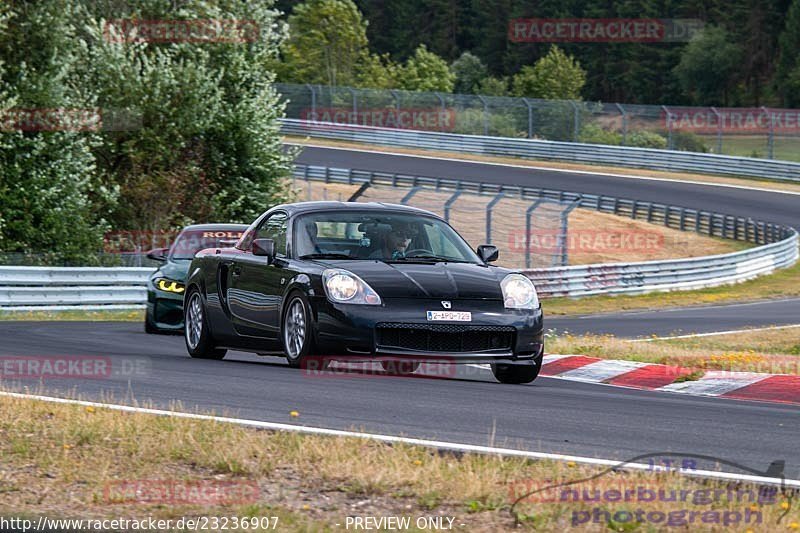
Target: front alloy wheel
x,y
297,335
199,342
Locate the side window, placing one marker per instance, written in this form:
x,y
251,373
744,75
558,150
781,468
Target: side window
x,y
247,239
275,228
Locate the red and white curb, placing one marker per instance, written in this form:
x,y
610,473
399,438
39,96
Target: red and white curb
x,y
632,374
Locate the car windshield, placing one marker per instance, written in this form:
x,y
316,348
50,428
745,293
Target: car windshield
x,y
383,236
190,242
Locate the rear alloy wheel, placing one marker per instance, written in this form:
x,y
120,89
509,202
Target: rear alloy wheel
x,y
400,368
515,374
297,337
199,342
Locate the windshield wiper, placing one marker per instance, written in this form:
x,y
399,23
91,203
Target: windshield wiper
x,y
437,258
325,255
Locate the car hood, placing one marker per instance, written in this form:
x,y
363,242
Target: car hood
x,y
174,270
427,280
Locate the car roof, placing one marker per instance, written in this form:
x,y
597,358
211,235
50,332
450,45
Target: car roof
x,y
212,227
309,207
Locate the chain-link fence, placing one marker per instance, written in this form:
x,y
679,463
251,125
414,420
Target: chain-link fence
x,y
529,233
752,132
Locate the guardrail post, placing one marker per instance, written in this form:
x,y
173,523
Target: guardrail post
x,y
719,130
624,124
489,208
683,219
528,214
448,204
530,117
410,193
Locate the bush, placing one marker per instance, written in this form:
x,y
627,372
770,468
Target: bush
x,y
687,141
594,134
646,139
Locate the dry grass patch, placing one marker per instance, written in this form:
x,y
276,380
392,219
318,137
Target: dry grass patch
x,y
59,460
770,351
115,315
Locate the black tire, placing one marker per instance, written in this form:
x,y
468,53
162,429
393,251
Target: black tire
x,y
400,368
197,334
516,374
299,346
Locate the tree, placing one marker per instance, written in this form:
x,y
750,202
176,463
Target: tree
x,y
708,65
491,86
327,41
469,71
378,72
48,179
209,136
425,71
556,76
788,69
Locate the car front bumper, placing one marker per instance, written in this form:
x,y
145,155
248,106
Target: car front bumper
x,y
494,334
164,309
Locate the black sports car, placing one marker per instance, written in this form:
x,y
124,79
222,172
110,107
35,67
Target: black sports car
x,y
321,281
166,285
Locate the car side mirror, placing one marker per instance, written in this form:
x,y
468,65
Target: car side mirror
x,y
158,254
265,248
488,253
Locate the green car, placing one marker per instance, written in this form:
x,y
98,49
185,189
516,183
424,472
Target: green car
x,y
166,285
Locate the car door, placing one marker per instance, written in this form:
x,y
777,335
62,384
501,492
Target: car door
x,y
255,292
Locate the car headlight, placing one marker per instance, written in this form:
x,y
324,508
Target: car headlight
x,y
343,286
169,285
519,292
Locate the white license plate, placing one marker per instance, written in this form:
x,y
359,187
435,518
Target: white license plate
x,y
454,316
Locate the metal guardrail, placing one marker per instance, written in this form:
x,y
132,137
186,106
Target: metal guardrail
x,y
619,156
24,286
46,287
779,244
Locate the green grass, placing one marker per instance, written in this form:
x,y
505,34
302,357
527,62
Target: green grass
x,y
784,148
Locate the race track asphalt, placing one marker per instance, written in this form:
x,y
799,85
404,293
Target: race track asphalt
x,y
549,415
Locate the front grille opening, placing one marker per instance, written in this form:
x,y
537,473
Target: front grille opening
x,y
445,338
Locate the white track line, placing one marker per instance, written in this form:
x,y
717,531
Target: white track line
x,y
442,445
714,333
567,171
